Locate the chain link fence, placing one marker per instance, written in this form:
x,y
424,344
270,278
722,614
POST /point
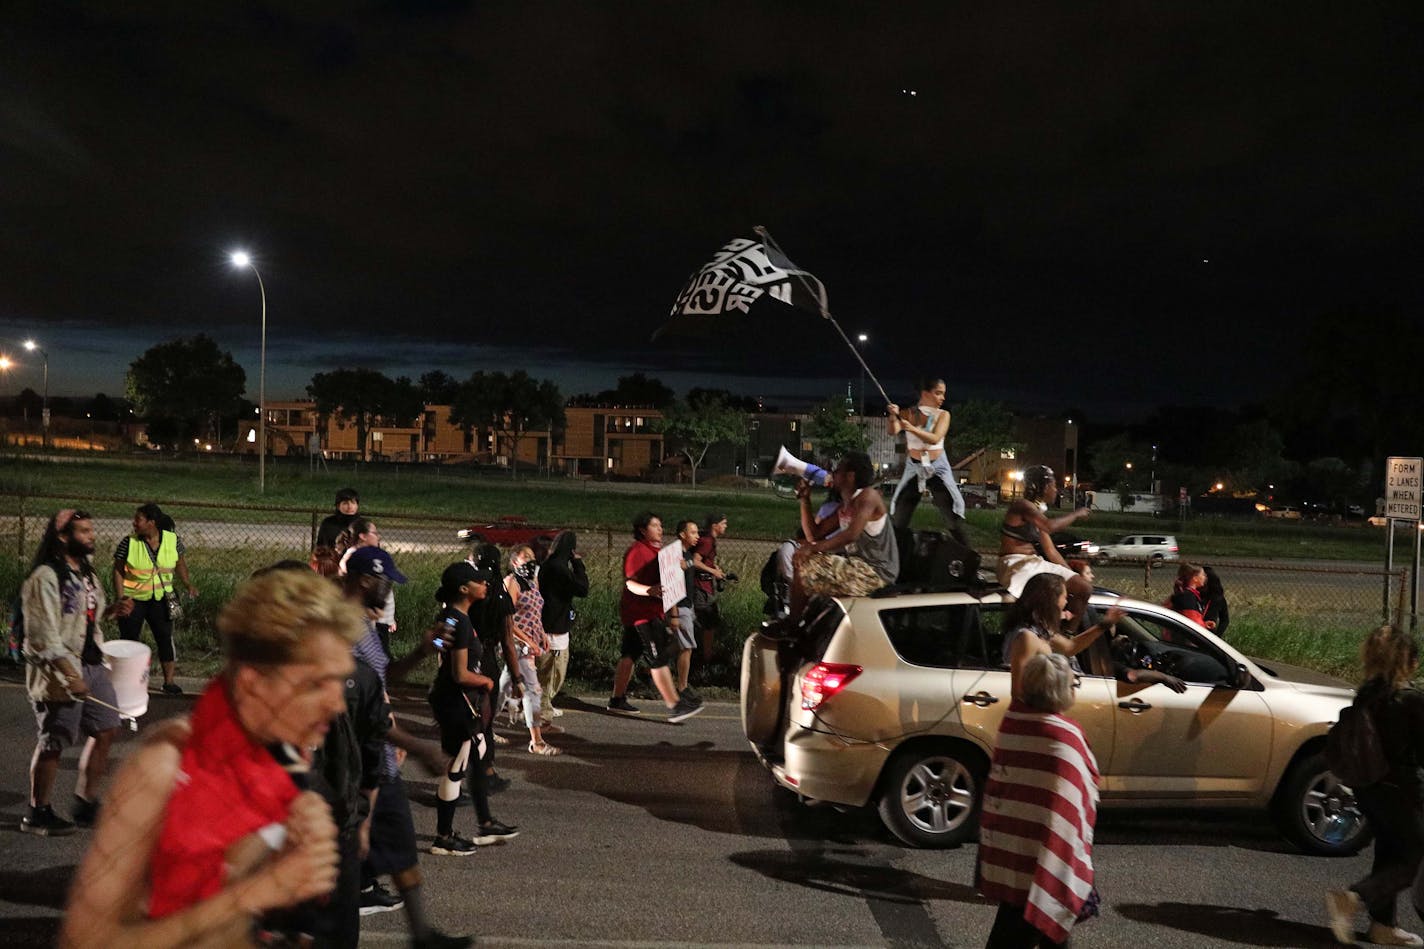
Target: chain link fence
x,y
1313,614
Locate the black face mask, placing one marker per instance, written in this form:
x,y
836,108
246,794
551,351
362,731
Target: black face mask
x,y
527,569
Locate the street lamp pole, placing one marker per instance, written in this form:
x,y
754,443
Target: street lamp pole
x,y
862,339
241,259
32,346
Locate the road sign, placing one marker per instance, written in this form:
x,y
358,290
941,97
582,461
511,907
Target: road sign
x,y
1404,488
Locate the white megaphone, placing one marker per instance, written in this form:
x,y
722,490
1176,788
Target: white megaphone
x,y
789,464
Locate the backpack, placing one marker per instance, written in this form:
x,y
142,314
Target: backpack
x,y
1353,749
769,573
17,615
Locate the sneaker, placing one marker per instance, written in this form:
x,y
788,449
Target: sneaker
x,y
86,813
377,899
435,939
1382,935
1342,906
494,783
622,706
549,728
452,846
500,739
691,693
686,707
554,712
172,688
45,822
494,833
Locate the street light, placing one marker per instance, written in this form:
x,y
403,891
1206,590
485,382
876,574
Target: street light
x,y
862,339
243,261
34,347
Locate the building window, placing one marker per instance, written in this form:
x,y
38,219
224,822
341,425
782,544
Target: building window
x,y
1007,454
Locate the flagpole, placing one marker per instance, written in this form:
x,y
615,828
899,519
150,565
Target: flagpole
x,y
771,241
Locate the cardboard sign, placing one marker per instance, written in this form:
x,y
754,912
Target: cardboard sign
x,y
670,574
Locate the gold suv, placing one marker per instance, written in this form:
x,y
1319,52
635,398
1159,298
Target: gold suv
x,y
895,701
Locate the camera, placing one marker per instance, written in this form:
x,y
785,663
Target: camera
x,y
725,579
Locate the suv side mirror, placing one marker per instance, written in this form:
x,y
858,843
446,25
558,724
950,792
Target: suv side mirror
x,y
1243,676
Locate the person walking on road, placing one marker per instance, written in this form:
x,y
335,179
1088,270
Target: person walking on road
x,y
710,579
1040,807
144,565
1395,803
530,641
455,696
63,601
687,535
562,578
645,633
205,832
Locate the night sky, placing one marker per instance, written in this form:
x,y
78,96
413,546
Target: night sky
x,y
1096,207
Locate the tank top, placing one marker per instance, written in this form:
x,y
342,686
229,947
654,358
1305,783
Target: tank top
x,y
875,545
914,442
529,612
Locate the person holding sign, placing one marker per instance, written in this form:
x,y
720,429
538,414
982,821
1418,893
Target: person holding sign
x,y
641,610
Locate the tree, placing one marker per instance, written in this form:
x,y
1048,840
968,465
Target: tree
x,y
509,405
438,388
102,408
188,380
831,432
742,403
698,426
1120,461
636,389
982,424
362,396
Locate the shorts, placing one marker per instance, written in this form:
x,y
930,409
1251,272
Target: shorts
x,y
686,626
456,720
654,642
392,830
61,723
1015,570
825,574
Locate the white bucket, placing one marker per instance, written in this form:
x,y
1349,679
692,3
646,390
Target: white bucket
x,y
128,671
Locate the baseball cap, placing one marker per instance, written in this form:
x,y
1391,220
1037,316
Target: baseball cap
x,y
374,561
457,575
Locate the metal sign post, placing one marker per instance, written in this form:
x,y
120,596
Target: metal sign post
x,y
1403,501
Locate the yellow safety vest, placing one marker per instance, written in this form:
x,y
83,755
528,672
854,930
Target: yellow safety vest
x,y
145,579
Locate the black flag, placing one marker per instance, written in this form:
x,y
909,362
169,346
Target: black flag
x,y
743,272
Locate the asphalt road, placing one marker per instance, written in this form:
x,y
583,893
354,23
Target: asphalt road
x,y
650,834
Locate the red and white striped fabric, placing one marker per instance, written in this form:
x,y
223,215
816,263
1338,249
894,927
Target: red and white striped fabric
x,y
1036,830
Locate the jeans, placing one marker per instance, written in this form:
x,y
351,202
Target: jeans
x,y
529,680
943,490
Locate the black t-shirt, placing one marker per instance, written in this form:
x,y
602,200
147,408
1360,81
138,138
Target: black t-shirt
x,y
458,634
332,527
489,615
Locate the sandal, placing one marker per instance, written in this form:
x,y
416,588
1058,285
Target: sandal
x,y
500,739
543,749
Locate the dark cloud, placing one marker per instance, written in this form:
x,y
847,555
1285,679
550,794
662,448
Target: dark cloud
x,y
444,181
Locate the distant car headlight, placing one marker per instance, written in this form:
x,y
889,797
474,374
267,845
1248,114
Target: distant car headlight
x,y
1094,548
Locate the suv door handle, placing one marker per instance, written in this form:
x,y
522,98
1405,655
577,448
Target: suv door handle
x,y
1135,706
981,698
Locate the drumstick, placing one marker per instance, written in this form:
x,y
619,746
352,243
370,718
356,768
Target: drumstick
x,y
131,720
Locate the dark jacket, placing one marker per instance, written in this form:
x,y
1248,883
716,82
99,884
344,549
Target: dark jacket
x,y
348,764
561,578
1399,719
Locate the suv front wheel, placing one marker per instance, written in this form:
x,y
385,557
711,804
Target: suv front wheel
x,y
1318,813
931,795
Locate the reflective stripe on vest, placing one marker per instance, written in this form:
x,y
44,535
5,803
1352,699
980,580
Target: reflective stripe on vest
x,y
144,579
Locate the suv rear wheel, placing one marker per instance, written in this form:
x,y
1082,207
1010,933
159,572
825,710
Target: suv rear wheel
x,y
1318,813
931,795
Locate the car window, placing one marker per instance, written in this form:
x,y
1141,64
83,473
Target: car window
x,y
927,635
1149,641
947,636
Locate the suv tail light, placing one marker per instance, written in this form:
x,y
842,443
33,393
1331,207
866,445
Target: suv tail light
x,y
1174,548
823,680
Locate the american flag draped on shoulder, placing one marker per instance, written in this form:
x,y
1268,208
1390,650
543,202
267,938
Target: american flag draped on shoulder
x,y
742,273
1036,829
